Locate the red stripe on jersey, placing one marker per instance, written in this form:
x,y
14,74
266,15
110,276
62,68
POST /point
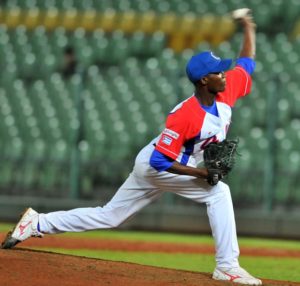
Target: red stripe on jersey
x,y
238,84
186,121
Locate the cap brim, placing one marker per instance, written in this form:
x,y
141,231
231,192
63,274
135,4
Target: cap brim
x,y
223,65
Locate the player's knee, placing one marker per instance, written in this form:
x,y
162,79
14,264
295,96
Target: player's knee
x,y
226,192
110,216
114,224
224,189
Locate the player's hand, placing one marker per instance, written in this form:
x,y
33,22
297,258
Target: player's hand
x,y
247,21
214,176
203,172
244,17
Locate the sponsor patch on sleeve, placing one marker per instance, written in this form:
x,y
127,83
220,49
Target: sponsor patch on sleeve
x,y
167,140
171,133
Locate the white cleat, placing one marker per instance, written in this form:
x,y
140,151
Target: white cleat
x,y
237,275
26,228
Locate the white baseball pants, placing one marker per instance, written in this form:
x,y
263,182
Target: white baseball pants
x,y
143,186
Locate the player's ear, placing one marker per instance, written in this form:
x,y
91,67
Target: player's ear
x,y
203,80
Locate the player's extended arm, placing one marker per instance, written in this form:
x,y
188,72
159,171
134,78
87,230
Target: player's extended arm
x,y
249,40
179,169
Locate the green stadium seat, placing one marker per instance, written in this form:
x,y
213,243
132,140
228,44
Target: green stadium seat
x,y
133,79
155,44
7,174
287,162
44,5
52,178
242,119
137,44
84,5
284,114
179,7
64,4
225,50
14,149
9,76
99,46
117,47
102,5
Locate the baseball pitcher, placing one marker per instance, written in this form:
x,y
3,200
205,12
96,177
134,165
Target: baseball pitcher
x,y
172,162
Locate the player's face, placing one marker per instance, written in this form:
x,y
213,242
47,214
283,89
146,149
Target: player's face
x,y
216,82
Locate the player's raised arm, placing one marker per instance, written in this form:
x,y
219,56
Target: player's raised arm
x,y
248,48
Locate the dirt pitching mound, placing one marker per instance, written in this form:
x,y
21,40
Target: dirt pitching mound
x,y
29,267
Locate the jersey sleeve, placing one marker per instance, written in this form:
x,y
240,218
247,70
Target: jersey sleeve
x,y
247,64
173,136
238,84
159,161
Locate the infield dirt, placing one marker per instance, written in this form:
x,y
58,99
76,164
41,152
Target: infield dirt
x,y
26,267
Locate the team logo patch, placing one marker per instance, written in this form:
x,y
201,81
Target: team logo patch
x,y
171,133
167,140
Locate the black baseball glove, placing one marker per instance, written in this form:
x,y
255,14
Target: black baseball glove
x,y
219,159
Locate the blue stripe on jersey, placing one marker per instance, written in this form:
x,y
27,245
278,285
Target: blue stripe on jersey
x,y
160,162
211,109
189,149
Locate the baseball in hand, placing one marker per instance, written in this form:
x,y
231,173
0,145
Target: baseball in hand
x,y
240,13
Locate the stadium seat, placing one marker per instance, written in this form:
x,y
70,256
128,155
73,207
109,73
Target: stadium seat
x,y
88,20
127,21
225,28
108,20
118,49
206,24
32,18
154,44
87,5
13,18
51,19
133,78
137,44
167,23
70,19
147,22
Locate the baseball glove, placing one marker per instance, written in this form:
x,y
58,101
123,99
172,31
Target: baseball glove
x,y
219,159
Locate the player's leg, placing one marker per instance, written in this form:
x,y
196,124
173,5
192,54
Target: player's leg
x,y
135,193
222,222
221,218
219,210
132,196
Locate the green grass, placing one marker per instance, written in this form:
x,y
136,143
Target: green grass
x,y
265,267
175,238
185,238
262,267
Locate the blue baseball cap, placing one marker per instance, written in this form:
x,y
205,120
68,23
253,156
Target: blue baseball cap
x,y
204,63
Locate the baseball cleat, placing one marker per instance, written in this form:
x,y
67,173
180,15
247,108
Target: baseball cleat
x,y
26,227
237,275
